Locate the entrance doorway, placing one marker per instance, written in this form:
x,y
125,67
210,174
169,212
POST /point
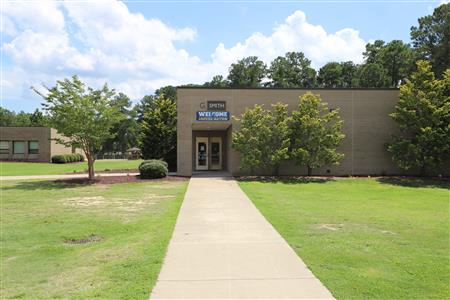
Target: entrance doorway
x,y
208,153
202,153
216,153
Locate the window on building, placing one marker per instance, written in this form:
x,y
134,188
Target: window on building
x,y
33,147
19,147
4,147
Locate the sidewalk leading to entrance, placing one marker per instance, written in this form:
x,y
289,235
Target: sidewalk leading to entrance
x,y
222,247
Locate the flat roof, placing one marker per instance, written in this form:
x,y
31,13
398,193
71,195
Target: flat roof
x,y
277,88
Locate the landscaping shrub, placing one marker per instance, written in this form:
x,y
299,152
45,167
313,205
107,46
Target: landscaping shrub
x,y
67,158
58,159
154,160
153,169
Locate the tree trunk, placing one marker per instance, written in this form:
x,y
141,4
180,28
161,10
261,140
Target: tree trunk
x,y
90,160
309,171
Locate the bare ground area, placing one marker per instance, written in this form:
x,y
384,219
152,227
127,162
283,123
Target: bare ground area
x,y
118,179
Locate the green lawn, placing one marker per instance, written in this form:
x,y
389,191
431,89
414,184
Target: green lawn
x,y
363,238
29,168
40,220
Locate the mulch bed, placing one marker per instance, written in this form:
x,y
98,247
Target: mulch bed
x,y
109,171
117,179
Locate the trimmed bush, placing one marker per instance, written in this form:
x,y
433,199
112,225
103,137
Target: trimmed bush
x,y
67,158
154,160
58,159
153,169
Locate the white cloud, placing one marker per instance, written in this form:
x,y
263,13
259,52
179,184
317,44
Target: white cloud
x,y
296,34
103,41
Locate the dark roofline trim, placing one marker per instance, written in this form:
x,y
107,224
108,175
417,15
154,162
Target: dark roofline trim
x,y
275,88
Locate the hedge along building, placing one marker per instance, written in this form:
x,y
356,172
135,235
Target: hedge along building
x,y
205,126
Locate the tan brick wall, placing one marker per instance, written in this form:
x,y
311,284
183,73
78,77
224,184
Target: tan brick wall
x,y
365,112
44,135
40,134
57,148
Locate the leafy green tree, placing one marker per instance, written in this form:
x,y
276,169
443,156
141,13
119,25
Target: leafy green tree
x,y
316,132
10,118
82,114
396,57
292,70
431,38
247,72
37,118
336,74
169,92
7,117
158,128
372,51
372,75
217,81
348,74
330,75
423,117
146,104
263,138
126,130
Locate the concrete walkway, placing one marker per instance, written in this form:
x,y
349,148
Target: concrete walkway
x,y
223,248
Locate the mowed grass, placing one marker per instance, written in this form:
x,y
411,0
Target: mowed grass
x,y
31,168
362,238
131,224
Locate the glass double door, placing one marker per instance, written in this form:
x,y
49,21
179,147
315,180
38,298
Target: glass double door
x,y
208,153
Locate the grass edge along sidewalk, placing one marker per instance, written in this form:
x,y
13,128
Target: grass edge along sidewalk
x,y
383,238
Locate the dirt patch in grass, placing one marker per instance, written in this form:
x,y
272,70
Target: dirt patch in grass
x,y
90,239
117,179
124,203
332,227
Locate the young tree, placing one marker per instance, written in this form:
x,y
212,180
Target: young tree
x,y
159,131
431,38
423,117
316,132
247,72
292,70
263,139
82,114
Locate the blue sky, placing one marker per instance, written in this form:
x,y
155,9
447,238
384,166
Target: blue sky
x,y
139,46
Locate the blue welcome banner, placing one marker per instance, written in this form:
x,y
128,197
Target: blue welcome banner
x,y
213,116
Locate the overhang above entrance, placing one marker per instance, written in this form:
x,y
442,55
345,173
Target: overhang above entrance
x,y
210,126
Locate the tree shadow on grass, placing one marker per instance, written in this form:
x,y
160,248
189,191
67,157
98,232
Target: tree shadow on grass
x,y
418,182
46,185
285,179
